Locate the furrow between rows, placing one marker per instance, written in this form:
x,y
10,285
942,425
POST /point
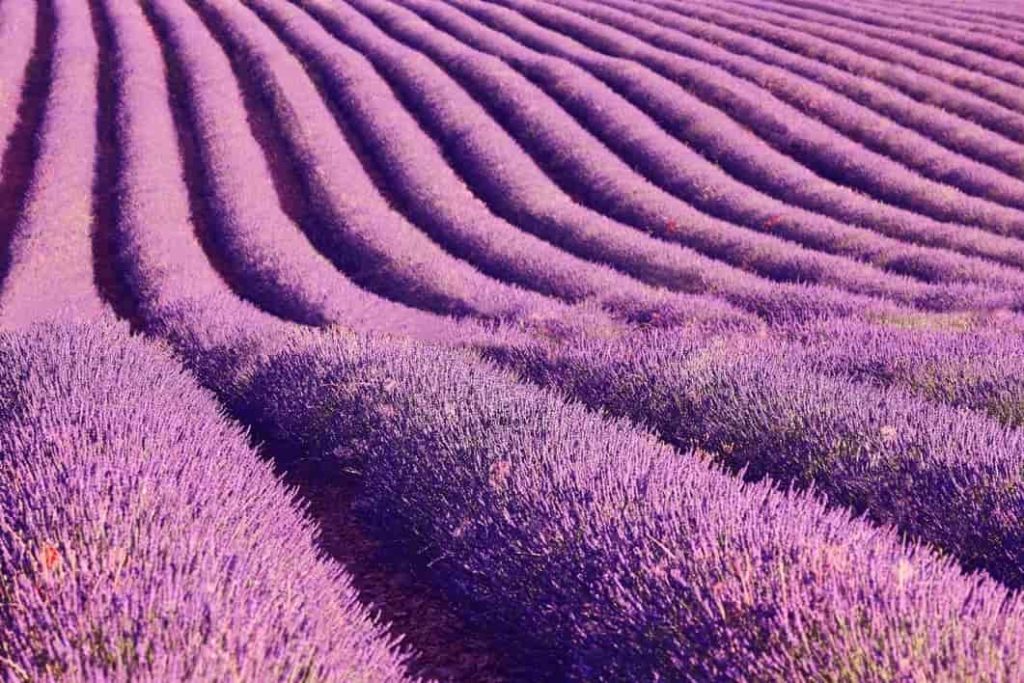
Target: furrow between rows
x,y
430,192
786,128
596,177
940,115
49,271
664,160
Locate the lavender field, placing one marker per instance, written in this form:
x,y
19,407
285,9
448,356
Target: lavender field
x,y
511,340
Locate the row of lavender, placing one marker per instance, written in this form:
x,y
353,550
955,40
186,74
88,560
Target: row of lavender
x,y
263,276
413,196
699,575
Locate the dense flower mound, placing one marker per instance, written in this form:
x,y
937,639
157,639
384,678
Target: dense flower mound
x,y
141,538
600,340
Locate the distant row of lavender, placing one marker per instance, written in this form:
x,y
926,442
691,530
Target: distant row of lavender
x,y
985,77
921,97
683,171
17,31
591,173
419,177
47,268
937,144
807,140
734,147
919,42
991,18
954,34
270,258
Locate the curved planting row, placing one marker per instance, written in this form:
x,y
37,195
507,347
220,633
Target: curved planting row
x,y
673,166
911,41
984,8
262,253
942,114
25,51
922,145
418,175
1009,30
987,17
786,128
269,257
740,153
601,180
991,25
985,11
142,539
48,267
962,40
948,20
17,30
975,96
158,255
949,477
515,188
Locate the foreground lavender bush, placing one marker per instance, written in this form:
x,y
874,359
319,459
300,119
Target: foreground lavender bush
x,y
142,539
607,553
952,478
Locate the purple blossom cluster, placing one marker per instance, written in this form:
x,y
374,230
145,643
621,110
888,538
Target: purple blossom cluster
x,y
791,413
141,538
